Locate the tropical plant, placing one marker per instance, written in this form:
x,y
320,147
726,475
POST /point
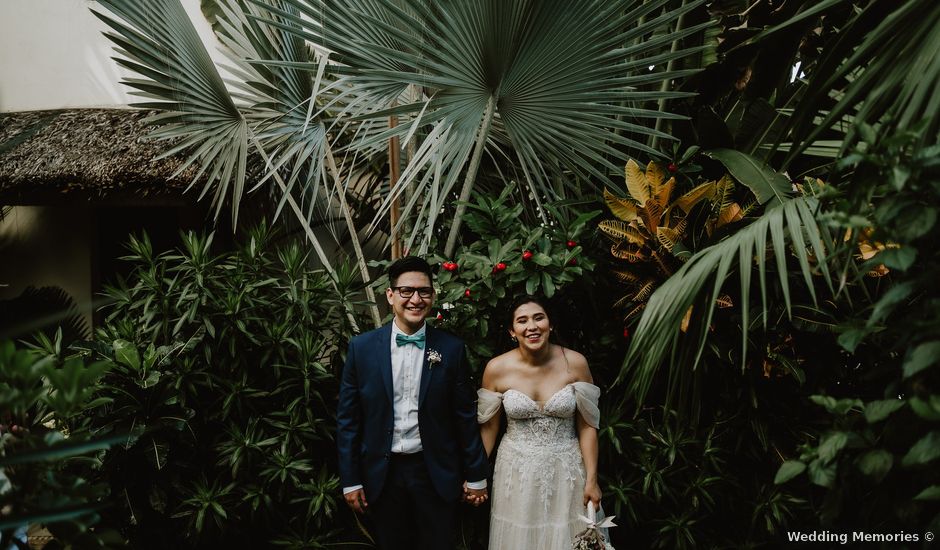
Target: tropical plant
x,y
491,72
880,439
44,477
506,258
651,226
223,378
866,457
487,77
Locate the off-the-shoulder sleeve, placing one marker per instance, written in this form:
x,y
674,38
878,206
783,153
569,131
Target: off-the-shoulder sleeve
x,y
488,404
587,396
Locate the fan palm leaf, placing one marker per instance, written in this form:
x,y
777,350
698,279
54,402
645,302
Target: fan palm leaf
x,y
271,111
700,280
549,79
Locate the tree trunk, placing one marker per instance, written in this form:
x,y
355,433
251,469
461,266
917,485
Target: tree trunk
x,y
394,172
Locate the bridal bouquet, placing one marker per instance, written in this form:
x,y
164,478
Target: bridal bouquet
x,y
591,538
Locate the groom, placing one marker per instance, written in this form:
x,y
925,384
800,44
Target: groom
x,y
407,434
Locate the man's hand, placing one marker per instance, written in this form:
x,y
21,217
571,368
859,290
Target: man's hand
x,y
357,501
475,497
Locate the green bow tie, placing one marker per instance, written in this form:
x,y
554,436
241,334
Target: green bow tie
x,y
404,340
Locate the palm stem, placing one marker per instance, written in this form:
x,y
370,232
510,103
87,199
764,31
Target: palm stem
x,y
471,175
664,86
353,236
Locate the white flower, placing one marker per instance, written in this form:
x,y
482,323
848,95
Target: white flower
x,y
434,357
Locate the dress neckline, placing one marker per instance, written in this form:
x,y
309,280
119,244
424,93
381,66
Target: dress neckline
x,y
537,403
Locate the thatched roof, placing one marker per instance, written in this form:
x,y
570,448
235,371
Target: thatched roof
x,y
84,154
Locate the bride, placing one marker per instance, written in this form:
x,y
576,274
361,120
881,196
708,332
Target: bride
x,y
546,467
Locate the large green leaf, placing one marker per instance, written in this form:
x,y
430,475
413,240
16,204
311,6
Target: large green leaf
x,y
761,179
658,336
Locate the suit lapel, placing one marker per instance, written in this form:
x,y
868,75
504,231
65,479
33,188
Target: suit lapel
x,y
426,372
383,354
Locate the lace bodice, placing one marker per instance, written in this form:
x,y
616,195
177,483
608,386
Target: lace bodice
x,y
549,425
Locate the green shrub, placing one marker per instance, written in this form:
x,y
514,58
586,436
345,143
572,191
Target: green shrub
x,y
45,470
223,379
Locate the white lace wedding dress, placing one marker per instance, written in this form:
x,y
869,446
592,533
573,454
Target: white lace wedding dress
x,y
538,484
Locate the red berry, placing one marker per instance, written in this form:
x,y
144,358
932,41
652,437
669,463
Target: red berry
x,y
466,293
500,266
672,168
527,255
626,332
571,244
439,316
573,261
450,266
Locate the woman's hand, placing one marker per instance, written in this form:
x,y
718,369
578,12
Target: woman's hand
x,y
592,492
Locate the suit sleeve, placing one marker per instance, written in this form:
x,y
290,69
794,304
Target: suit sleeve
x,y
475,465
348,422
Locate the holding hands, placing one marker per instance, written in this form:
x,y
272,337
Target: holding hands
x,y
357,501
475,497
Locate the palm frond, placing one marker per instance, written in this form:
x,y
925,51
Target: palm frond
x,y
567,93
157,40
700,280
876,66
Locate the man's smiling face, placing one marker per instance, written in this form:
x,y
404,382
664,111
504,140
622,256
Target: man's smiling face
x,y
410,312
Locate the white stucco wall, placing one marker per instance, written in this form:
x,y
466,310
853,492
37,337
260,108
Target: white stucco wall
x,y
53,55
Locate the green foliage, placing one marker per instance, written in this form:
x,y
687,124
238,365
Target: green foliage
x,y
44,476
223,378
876,456
494,268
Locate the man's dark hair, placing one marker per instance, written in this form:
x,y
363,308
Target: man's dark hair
x,y
407,264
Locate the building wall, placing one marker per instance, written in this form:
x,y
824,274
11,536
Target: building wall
x,y
48,246
53,55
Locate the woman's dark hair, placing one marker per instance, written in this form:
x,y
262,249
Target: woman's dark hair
x,y
406,265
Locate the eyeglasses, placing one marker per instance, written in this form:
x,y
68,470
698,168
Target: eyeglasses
x,y
409,291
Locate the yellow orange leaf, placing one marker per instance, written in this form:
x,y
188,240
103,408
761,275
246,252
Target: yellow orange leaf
x,y
730,213
627,276
655,176
665,192
696,195
636,182
684,327
667,237
624,209
650,214
619,231
631,254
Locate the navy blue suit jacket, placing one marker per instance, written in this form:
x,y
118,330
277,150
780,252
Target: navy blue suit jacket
x,y
447,415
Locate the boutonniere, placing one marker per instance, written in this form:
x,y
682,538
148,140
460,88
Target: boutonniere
x,y
434,357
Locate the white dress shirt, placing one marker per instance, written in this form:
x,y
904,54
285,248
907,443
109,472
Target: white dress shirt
x,y
407,363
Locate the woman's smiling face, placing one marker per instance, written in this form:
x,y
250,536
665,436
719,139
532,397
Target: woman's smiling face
x,y
530,326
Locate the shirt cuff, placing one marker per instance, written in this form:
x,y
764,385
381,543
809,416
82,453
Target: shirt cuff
x,y
347,490
476,485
